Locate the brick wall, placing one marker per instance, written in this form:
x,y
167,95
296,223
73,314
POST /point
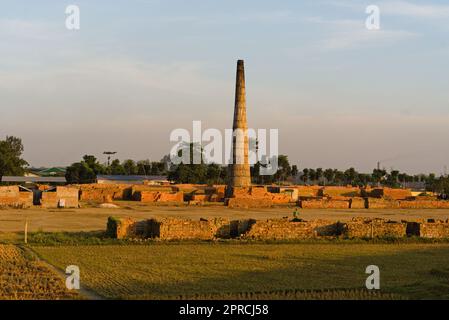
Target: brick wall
x,y
324,204
429,229
389,193
246,203
284,229
11,196
358,203
121,228
184,229
333,192
372,228
374,203
423,204
273,229
104,192
157,196
66,197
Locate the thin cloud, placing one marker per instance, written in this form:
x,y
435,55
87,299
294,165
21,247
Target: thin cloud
x,y
347,33
409,9
364,38
282,16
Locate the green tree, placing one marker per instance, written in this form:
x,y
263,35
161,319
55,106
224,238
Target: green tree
x,y
329,174
295,171
305,175
284,169
312,175
130,167
213,174
350,176
378,175
116,168
189,172
80,172
85,171
11,162
319,174
143,167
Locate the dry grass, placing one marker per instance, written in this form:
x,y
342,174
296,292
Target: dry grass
x,y
265,271
23,278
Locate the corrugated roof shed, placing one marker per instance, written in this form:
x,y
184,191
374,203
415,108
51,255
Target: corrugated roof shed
x,y
34,179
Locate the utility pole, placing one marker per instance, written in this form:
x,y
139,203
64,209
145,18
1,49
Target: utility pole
x,y
109,154
26,231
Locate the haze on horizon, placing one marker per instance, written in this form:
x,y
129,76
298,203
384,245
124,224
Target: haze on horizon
x,y
339,94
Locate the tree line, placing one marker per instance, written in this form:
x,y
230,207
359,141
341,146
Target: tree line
x,y
86,171
89,167
393,179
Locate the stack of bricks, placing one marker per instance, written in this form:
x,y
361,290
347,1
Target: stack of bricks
x,y
101,192
307,191
184,229
291,230
123,228
375,203
371,228
209,194
219,193
389,193
423,204
274,229
136,189
11,196
336,192
250,197
281,198
157,196
67,197
358,203
429,228
324,204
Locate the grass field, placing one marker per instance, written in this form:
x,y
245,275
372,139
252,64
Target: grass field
x,y
21,277
266,271
410,268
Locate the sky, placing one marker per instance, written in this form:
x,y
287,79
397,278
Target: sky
x,y
341,95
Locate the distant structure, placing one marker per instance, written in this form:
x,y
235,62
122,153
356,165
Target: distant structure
x,y
109,154
132,179
28,179
240,175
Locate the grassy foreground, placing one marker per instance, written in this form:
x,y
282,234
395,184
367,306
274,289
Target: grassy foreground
x,y
265,271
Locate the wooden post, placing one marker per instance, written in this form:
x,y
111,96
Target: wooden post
x,y
26,231
372,229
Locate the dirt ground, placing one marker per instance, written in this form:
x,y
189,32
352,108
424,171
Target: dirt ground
x,y
92,218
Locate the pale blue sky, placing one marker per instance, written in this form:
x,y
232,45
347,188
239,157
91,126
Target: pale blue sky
x,y
340,95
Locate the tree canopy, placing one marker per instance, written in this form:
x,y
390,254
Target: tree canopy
x,y
11,162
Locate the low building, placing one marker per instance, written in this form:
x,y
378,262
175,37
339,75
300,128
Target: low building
x,y
32,179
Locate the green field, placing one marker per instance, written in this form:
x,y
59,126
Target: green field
x,y
267,271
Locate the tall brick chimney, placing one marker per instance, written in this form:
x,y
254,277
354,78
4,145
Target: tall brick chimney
x,y
240,175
